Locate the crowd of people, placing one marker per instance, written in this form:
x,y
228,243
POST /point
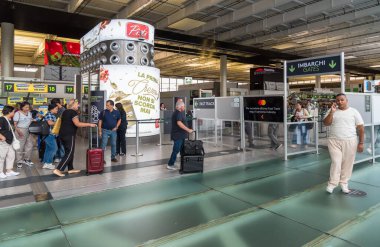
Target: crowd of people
x,y
17,143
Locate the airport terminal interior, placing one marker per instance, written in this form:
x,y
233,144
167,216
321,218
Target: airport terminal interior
x,y
253,82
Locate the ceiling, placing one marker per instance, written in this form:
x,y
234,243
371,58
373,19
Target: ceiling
x,y
249,32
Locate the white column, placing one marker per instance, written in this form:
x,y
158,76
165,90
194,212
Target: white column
x,y
318,81
7,49
223,75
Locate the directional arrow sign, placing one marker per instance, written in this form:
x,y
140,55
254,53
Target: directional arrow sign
x,y
332,64
315,66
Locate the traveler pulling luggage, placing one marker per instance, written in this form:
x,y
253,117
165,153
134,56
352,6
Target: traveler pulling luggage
x,y
95,157
192,156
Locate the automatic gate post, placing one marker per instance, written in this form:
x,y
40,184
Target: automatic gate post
x,y
137,140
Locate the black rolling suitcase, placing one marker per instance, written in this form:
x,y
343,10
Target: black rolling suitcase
x,y
192,156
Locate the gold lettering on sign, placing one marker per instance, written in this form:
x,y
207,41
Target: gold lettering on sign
x,y
142,87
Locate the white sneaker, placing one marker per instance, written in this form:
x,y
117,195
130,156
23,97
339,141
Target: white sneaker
x,y
171,167
330,188
28,162
369,150
345,188
2,175
12,173
57,160
48,166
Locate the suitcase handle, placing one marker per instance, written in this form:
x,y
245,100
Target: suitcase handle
x,y
195,135
97,136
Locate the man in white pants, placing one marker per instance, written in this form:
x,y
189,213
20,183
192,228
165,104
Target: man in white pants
x,y
342,142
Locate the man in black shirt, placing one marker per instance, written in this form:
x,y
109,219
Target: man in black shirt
x,y
178,133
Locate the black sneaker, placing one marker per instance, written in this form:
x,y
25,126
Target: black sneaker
x,y
279,145
114,160
122,154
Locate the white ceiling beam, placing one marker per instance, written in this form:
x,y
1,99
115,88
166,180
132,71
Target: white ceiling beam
x,y
304,12
193,8
74,5
312,27
240,14
133,8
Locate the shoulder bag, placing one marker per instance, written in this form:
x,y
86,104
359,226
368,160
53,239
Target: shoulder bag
x,y
57,126
15,143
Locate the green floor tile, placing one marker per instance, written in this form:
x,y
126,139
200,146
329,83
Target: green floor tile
x,y
274,187
26,219
239,174
362,231
369,175
259,228
324,211
52,238
154,221
116,200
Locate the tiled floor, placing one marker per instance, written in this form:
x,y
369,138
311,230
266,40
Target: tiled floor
x,y
251,198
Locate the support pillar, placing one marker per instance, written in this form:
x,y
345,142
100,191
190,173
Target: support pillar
x,y
7,49
318,81
223,75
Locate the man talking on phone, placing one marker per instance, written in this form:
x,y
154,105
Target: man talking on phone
x,y
343,142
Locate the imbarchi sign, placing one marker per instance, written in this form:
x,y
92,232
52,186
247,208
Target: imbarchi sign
x,y
315,66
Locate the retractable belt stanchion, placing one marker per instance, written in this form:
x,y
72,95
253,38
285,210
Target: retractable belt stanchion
x,y
137,140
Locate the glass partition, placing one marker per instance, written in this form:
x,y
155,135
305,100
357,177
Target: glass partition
x,y
302,137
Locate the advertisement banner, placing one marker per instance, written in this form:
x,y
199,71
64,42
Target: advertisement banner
x,y
137,89
62,53
264,109
98,101
122,29
14,100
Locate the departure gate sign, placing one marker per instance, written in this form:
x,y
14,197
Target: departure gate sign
x,y
264,109
314,66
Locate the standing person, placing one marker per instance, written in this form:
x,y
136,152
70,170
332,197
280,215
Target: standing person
x,y
272,133
22,120
61,150
121,144
109,122
300,133
50,140
342,142
7,153
178,133
67,133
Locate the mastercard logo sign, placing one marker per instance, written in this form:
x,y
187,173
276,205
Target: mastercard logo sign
x,y
262,102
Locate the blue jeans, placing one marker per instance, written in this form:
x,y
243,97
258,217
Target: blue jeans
x,y
50,150
113,134
176,148
61,149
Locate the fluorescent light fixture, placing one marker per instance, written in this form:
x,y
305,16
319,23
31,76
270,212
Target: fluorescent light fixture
x,y
25,69
285,46
375,66
349,57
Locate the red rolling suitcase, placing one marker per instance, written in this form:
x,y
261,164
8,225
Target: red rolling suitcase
x,y
95,157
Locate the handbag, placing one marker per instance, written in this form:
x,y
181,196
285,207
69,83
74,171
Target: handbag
x,y
39,128
309,126
15,143
57,127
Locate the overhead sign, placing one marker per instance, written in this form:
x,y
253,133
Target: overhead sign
x,y
264,109
29,88
314,66
188,80
204,103
14,100
69,89
39,100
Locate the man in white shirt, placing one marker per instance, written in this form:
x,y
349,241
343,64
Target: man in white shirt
x,y
342,142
